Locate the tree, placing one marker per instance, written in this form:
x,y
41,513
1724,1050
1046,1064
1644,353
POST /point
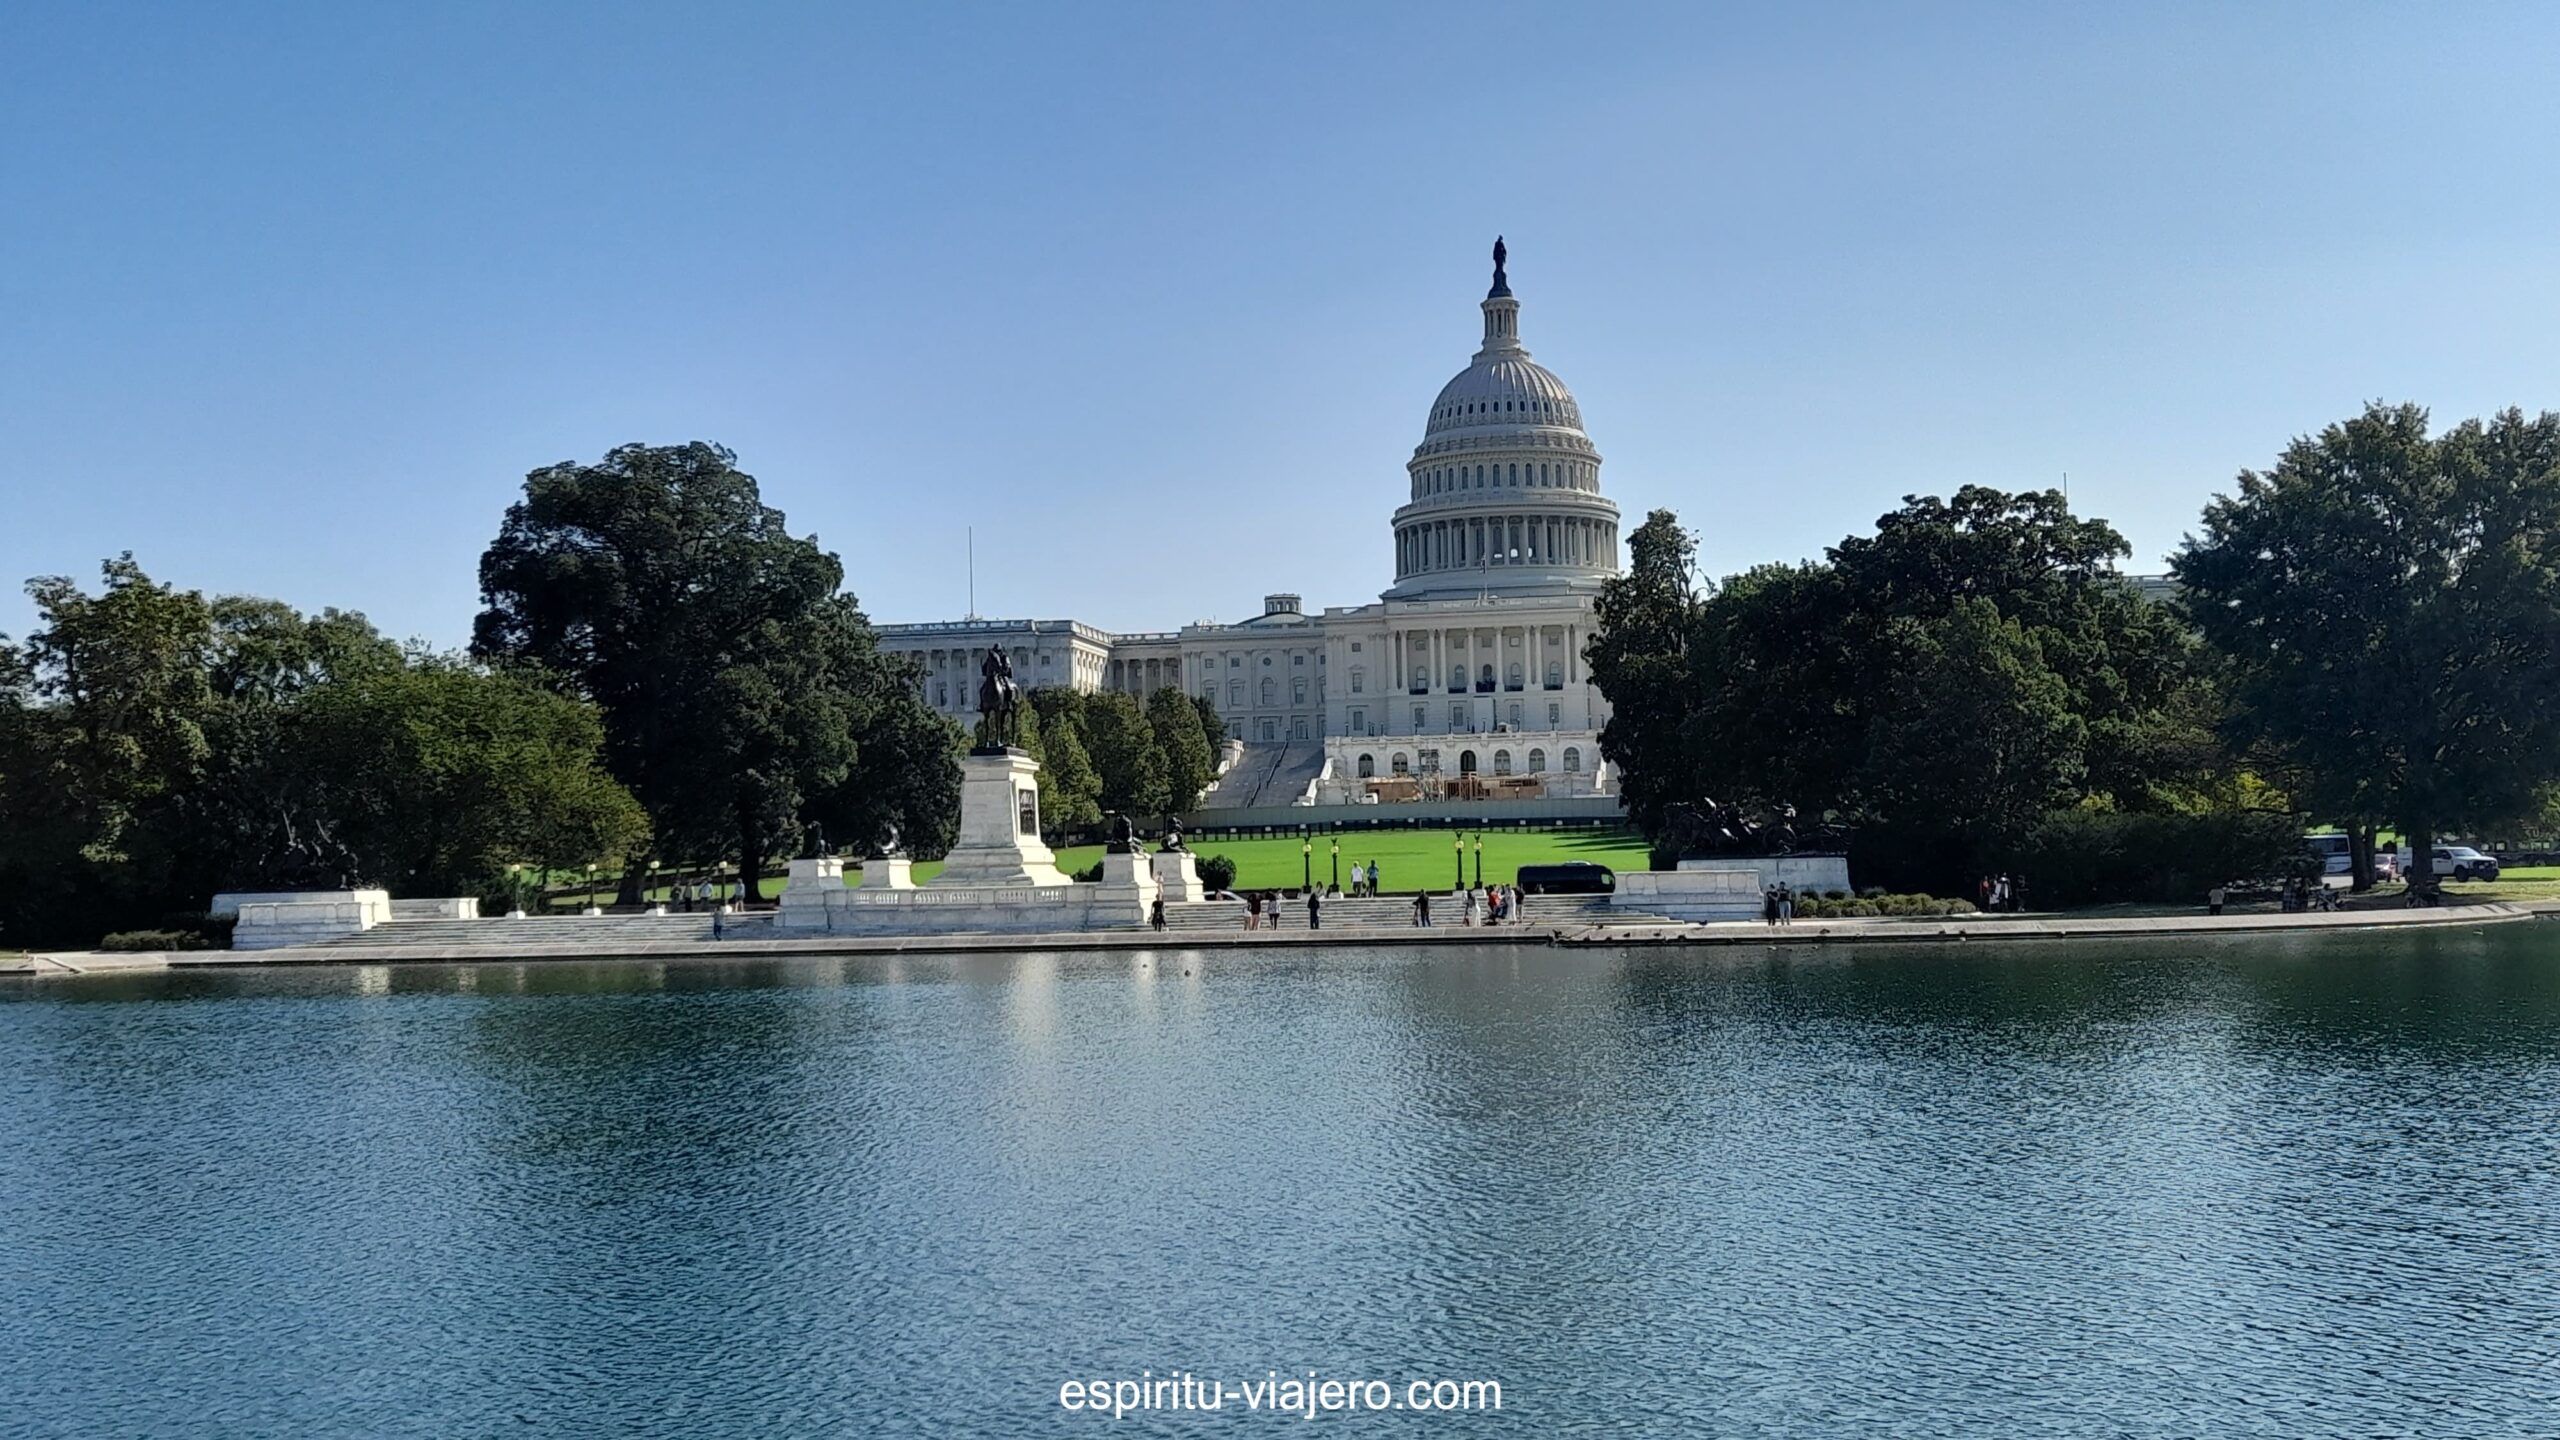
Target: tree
x,y
1125,754
1940,684
1639,656
2389,604
735,680
1213,728
1071,793
439,776
905,773
1188,763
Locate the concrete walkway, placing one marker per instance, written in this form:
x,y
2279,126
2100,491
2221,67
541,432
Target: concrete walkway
x,y
1891,931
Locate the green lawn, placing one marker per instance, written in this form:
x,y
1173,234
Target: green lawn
x,y
1407,859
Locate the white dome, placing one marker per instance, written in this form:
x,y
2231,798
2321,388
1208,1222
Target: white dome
x,y
1503,389
1504,490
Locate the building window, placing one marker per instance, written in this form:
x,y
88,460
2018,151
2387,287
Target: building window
x,y
1235,662
1457,678
1484,680
1359,722
1466,762
1421,680
1355,647
1357,676
1511,676
1368,766
1397,765
1209,693
1555,674
1457,717
1514,716
1297,659
942,694
1266,662
1235,693
1297,692
1572,760
1555,716
1537,762
1501,762
1270,691
1420,723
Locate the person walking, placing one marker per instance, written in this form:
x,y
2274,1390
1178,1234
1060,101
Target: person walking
x,y
2213,899
1314,904
1786,904
2018,892
1373,877
1252,909
1982,894
1422,908
1471,907
1155,913
1769,906
716,928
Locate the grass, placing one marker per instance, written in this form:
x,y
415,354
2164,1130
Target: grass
x,y
1407,859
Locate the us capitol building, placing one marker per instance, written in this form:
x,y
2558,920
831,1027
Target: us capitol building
x,y
1464,679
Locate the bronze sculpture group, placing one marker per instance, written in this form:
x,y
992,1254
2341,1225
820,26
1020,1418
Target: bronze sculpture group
x,y
1709,828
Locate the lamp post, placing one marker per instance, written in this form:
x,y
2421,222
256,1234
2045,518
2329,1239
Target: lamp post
x,y
515,888
1337,862
1479,859
1306,865
591,907
653,885
1458,853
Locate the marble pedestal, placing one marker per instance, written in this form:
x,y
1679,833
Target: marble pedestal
x,y
1726,887
807,893
1178,875
269,920
889,872
999,841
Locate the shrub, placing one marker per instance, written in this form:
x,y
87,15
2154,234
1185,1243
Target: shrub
x,y
133,941
1089,875
1217,872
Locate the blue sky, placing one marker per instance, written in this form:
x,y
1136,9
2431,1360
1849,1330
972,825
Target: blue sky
x,y
292,296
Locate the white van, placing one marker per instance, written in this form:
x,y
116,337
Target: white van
x,y
2337,857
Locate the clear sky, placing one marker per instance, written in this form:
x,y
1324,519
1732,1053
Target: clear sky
x,y
292,296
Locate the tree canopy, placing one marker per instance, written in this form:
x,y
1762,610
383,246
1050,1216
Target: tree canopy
x,y
736,680
2389,605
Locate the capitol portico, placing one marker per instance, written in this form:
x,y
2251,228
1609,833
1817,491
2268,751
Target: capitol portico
x,y
1464,679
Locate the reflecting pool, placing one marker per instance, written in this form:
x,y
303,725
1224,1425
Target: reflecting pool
x,y
2272,1186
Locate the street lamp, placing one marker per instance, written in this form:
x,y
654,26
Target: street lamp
x,y
1479,859
1306,865
653,882
1458,851
515,887
1337,862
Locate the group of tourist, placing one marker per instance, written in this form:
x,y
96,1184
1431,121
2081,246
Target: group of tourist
x,y
1778,905
1364,883
1485,904
2001,893
709,894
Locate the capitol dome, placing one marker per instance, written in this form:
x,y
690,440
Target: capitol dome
x,y
1505,486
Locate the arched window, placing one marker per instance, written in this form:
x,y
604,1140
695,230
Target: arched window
x,y
1466,762
1396,764
1537,762
1235,693
1457,677
1368,766
1298,692
1485,680
1573,760
1511,676
1555,674
1501,762
1270,691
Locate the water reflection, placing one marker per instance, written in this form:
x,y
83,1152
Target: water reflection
x,y
2284,1187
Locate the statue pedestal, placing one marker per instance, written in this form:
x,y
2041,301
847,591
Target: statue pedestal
x,y
999,840
805,895
1726,887
1178,874
889,872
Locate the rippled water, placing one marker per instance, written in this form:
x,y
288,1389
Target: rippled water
x,y
2280,1187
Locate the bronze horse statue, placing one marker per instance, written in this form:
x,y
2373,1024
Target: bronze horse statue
x,y
999,702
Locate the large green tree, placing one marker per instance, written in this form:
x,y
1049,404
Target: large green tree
x,y
2389,603
1125,754
1188,763
735,677
1070,791
1639,656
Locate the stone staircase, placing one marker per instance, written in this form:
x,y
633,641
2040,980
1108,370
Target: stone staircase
x,y
539,934
1390,912
1272,772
